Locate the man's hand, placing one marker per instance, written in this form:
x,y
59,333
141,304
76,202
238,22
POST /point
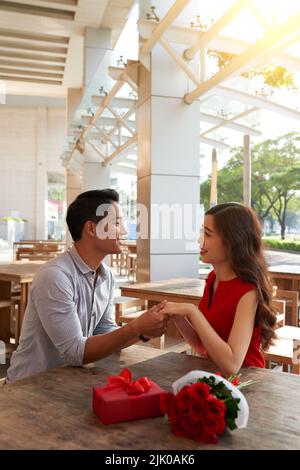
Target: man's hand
x,y
152,323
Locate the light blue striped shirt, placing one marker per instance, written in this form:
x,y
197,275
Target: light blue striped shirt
x,y
68,302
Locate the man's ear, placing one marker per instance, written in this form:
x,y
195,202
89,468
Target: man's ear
x,y
90,228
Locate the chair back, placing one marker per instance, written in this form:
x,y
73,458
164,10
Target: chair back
x,y
292,305
279,307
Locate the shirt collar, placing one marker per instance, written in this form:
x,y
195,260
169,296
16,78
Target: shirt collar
x,y
83,267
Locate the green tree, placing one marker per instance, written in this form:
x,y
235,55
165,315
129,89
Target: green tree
x,y
275,177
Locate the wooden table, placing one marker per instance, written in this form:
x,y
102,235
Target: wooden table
x,y
286,276
53,410
23,274
173,290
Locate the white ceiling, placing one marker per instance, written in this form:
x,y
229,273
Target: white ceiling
x,y
42,41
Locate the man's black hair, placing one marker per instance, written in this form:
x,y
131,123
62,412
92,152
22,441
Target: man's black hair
x,y
85,207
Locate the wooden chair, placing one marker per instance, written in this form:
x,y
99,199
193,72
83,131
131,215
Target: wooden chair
x,y
286,348
5,320
292,305
285,351
122,262
131,266
280,308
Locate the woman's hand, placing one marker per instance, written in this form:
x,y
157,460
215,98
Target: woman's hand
x,y
181,309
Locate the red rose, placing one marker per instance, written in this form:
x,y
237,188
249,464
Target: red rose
x,y
184,421
182,398
199,390
214,424
216,406
198,410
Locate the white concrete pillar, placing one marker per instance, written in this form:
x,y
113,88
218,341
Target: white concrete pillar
x,y
41,184
95,176
97,44
74,187
167,169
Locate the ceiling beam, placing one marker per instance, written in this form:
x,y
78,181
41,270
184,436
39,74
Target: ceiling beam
x,y
163,25
30,9
117,86
122,103
180,35
22,46
258,101
219,25
262,46
25,56
30,73
32,80
214,143
120,149
34,38
34,66
230,123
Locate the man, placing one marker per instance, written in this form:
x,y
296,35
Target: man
x,y
70,315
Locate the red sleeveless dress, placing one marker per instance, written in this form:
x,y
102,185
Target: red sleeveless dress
x,y
220,314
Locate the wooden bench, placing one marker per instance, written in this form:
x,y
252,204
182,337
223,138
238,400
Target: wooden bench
x,y
38,250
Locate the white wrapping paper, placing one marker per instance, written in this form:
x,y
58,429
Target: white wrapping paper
x,y
192,377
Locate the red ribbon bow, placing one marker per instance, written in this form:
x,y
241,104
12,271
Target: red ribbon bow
x,y
123,380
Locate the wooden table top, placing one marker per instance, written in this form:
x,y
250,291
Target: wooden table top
x,y
20,271
285,269
53,410
181,289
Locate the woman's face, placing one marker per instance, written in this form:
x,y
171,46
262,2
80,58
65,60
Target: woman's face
x,y
212,249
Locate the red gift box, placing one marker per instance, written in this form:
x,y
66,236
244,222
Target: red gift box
x,y
123,400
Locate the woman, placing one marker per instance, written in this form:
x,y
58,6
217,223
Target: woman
x,y
235,320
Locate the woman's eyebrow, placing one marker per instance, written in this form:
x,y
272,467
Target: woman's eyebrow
x,y
208,229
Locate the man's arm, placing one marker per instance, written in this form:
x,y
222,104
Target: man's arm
x,y
151,324
53,299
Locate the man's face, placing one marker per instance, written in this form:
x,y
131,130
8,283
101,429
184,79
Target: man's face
x,y
110,231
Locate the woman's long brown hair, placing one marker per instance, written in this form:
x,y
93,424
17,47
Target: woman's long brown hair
x,y
241,233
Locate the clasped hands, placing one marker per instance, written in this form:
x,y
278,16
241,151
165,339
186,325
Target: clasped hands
x,y
155,321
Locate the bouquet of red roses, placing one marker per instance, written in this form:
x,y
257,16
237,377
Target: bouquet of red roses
x,y
203,405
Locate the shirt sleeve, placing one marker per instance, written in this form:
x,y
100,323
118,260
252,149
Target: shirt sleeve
x,y
53,298
107,322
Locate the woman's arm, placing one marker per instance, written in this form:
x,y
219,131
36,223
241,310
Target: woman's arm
x,y
189,333
228,356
